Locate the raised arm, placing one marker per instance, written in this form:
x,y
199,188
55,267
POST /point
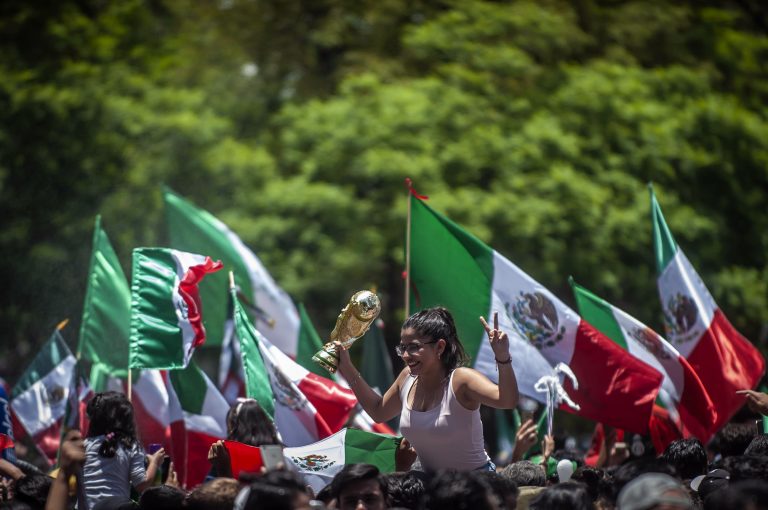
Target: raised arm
x,y
475,388
379,407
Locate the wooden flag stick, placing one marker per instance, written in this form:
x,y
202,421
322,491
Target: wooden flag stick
x,y
130,383
231,280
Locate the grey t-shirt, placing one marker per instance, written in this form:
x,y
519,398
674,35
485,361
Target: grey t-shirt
x,y
111,476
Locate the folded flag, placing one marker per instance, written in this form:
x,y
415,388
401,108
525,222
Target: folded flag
x,y
243,458
724,360
319,462
452,268
231,375
106,320
39,398
166,311
6,426
683,394
305,407
198,416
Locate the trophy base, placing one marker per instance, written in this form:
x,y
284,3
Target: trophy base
x,y
327,360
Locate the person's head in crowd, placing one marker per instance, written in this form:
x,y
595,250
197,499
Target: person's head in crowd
x,y
276,490
563,496
525,473
591,478
404,490
629,471
746,467
15,504
33,489
459,490
706,485
217,494
437,325
734,438
654,491
687,456
248,423
325,495
162,497
758,445
743,495
359,486
505,489
111,415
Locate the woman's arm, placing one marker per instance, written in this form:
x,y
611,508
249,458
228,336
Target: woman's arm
x,y
380,408
475,388
153,463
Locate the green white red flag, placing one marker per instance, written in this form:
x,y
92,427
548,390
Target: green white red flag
x,y
304,406
39,399
166,309
682,392
452,268
198,415
319,462
724,360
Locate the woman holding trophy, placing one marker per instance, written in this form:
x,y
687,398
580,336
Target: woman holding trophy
x,y
437,397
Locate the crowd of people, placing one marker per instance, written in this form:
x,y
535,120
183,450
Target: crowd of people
x,y
441,462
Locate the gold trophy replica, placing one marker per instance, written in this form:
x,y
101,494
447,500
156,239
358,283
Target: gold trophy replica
x,y
352,323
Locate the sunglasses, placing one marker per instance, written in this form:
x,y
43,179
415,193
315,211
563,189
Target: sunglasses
x,y
411,348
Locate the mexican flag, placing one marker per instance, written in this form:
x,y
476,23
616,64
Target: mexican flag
x,y
39,398
724,360
267,305
682,392
319,462
452,268
106,313
198,416
166,310
304,406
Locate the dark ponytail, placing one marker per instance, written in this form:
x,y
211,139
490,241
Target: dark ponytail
x,y
111,415
437,323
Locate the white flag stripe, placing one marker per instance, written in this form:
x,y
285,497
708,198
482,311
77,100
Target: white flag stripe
x,y
45,401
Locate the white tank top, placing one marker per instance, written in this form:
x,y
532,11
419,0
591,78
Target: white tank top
x,y
448,436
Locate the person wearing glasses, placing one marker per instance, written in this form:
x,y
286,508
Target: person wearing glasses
x,y
437,397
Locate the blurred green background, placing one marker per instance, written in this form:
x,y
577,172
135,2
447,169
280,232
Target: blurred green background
x,y
534,124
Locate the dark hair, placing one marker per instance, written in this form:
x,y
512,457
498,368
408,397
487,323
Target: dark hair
x,y
632,469
591,477
502,487
111,415
687,456
217,494
32,489
563,496
733,439
746,467
403,489
248,423
275,490
437,323
457,490
352,473
15,504
751,494
758,446
162,497
525,473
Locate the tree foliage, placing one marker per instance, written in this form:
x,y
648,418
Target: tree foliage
x,y
536,125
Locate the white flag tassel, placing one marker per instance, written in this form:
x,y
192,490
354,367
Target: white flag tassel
x,y
556,394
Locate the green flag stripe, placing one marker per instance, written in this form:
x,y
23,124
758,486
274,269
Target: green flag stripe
x,y
368,448
256,378
599,313
309,343
106,320
198,231
451,268
156,338
51,354
664,246
191,388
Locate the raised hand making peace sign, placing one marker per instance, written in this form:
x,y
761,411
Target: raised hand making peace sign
x,y
499,340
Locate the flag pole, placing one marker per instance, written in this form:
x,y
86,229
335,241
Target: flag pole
x,y
408,253
130,382
231,280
